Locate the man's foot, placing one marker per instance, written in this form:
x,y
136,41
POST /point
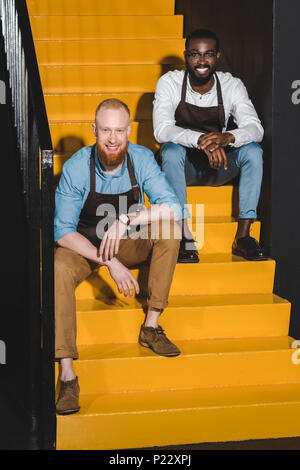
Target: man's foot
x,y
155,339
248,248
67,402
187,255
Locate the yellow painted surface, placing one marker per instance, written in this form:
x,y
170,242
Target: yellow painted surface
x,y
110,51
82,107
92,7
173,417
215,274
121,368
106,27
227,316
100,78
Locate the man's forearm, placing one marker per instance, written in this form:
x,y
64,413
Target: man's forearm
x,y
153,213
77,242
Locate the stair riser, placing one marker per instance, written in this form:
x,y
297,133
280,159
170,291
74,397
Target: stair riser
x,y
82,107
110,51
228,321
90,7
175,427
185,372
198,279
106,27
101,78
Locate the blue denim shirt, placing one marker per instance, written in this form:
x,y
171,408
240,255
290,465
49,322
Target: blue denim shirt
x,y
74,185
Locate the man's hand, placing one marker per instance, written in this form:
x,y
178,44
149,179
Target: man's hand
x,y
216,158
124,279
216,140
110,243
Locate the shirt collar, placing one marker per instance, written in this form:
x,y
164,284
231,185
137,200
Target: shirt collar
x,y
212,90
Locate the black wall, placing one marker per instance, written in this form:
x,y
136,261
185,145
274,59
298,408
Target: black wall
x,y
15,377
285,201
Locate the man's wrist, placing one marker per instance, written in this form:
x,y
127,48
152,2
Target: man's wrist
x,y
124,219
231,137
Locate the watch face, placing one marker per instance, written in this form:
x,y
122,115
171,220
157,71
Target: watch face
x,y
123,218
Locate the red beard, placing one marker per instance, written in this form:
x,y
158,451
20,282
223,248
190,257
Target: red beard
x,y
111,160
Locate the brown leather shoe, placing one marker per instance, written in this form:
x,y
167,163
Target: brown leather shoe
x,y
155,339
67,402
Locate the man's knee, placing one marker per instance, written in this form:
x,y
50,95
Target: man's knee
x,y
252,154
167,232
173,153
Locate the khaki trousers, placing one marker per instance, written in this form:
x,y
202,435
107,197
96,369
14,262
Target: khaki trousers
x,y
72,268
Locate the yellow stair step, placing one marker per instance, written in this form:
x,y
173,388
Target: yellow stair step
x,y
216,274
100,78
215,234
110,51
185,318
131,420
91,7
106,27
116,368
221,201
81,107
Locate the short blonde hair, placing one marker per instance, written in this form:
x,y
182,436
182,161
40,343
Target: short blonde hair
x,y
112,103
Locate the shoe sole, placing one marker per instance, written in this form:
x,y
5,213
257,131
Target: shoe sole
x,y
260,258
187,261
164,355
68,412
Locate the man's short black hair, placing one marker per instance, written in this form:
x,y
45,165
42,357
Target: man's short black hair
x,y
202,34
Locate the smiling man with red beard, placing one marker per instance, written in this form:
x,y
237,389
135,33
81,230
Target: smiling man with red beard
x,y
98,207
190,116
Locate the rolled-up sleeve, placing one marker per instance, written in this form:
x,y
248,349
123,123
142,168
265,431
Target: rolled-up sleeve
x,y
155,184
68,204
245,117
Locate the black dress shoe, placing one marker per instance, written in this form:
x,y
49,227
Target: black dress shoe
x,y
185,255
248,248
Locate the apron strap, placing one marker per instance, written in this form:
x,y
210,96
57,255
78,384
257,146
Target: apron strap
x,y
221,111
92,170
183,88
134,184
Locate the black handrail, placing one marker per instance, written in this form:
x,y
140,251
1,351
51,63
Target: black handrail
x,y
35,151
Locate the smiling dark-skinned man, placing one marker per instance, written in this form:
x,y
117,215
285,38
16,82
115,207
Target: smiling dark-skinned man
x,y
190,115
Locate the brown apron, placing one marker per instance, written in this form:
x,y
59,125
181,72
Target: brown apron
x,y
88,220
200,119
196,118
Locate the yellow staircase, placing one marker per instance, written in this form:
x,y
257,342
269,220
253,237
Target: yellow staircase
x,y
235,379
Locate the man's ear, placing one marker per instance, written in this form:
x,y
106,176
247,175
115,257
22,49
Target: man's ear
x,y
128,130
218,55
94,129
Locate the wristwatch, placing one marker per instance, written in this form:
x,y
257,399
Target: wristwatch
x,y
124,219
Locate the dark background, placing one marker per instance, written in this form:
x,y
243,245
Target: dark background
x,y
260,45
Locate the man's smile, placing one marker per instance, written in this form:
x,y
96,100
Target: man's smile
x,y
202,69
112,148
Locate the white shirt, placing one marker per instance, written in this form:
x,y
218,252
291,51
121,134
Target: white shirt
x,y
235,100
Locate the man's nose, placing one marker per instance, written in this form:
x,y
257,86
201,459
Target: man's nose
x,y
112,136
